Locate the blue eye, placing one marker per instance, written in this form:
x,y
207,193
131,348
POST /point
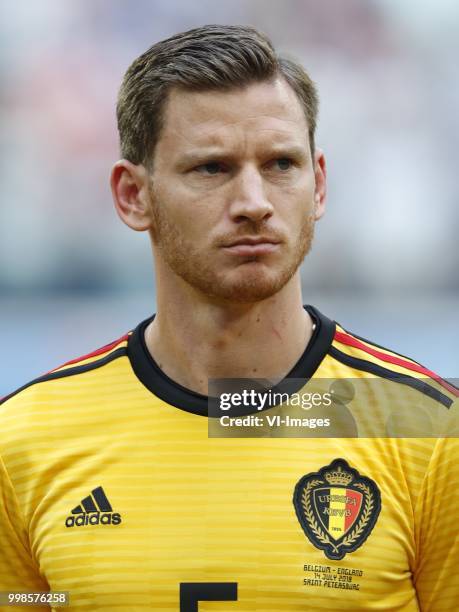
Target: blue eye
x,y
284,163
212,168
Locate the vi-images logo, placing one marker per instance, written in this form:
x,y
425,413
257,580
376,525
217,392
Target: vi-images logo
x,y
95,509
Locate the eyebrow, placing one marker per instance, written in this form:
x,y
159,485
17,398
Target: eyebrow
x,y
199,155
194,157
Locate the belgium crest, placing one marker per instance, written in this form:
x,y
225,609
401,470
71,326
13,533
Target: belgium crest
x,y
337,508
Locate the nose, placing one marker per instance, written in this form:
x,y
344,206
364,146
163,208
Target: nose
x,y
248,199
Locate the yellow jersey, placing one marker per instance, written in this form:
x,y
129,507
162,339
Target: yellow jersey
x,y
113,490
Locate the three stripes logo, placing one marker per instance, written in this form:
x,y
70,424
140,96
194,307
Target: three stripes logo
x,y
95,509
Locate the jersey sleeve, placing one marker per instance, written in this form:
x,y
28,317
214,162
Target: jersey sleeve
x,y
437,531
18,571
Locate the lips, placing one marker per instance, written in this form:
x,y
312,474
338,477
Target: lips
x,y
252,246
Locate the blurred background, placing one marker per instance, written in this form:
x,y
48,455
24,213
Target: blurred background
x,y
385,259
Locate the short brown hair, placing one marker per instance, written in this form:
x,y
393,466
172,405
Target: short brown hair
x,y
211,57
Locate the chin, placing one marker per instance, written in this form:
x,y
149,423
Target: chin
x,y
252,286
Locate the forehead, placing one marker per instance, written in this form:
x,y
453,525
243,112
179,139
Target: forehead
x,y
267,111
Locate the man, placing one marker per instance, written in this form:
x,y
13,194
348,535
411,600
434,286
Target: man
x,y
112,487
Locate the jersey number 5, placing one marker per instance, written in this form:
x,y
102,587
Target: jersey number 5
x,y
193,592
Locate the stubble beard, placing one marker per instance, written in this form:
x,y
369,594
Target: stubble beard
x,y
251,283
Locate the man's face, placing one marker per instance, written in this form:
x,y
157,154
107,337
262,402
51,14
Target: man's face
x,y
233,190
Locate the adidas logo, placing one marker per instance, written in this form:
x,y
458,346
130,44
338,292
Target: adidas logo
x,y
93,510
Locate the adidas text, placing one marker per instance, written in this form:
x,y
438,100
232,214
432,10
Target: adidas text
x,y
96,518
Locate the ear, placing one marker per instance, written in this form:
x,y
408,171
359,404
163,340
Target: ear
x,y
320,192
129,184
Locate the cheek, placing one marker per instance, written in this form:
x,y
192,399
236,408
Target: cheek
x,y
295,202
299,186
172,203
190,218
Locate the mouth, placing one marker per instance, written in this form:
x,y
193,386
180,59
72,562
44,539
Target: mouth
x,y
252,246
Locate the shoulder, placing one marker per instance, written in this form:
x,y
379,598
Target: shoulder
x,y
68,407
360,357
53,381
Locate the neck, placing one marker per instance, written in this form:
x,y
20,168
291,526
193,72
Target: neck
x,y
193,338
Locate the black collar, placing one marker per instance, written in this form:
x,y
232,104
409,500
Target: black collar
x,y
154,379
